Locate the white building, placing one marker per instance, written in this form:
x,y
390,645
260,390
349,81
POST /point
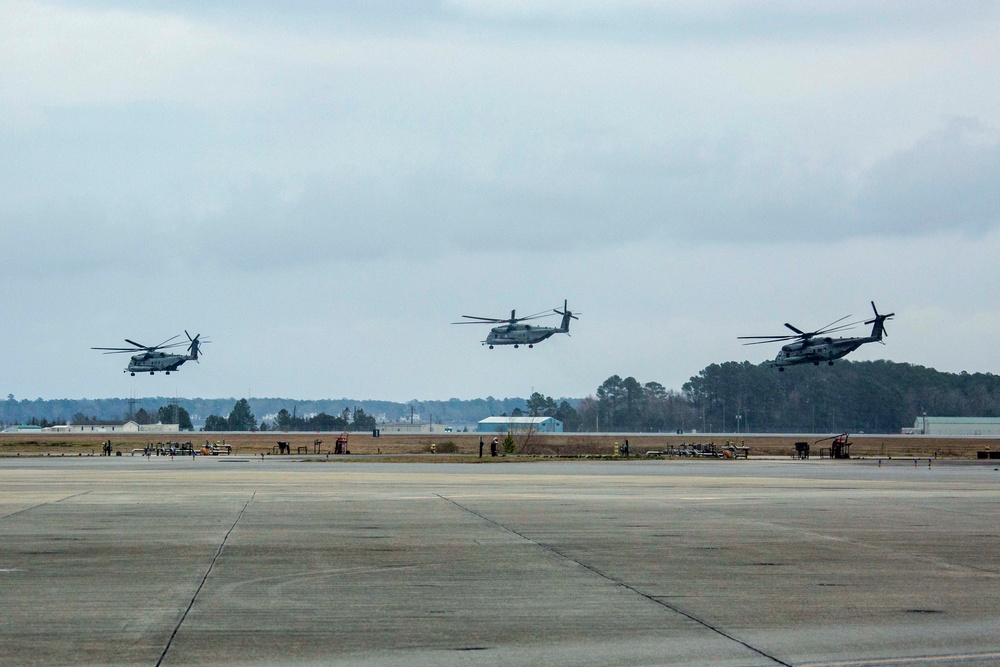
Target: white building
x,y
128,427
513,424
983,426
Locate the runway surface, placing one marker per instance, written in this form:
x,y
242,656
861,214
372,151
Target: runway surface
x,y
129,561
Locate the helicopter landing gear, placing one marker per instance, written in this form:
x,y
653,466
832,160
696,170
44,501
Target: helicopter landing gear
x,y
167,372
781,369
530,345
829,363
491,347
516,346
152,372
815,363
133,374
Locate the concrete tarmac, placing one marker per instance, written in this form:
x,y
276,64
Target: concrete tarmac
x,y
129,561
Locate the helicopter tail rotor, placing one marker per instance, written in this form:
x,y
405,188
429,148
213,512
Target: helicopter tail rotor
x,y
567,315
878,324
194,347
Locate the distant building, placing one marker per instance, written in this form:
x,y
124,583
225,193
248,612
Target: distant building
x,y
984,426
505,424
128,427
23,428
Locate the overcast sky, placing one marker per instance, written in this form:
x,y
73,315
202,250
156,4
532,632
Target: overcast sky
x,y
322,191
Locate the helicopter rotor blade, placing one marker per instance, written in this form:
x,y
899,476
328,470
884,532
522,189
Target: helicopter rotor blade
x,y
795,329
484,319
758,340
842,327
772,340
781,337
829,327
157,347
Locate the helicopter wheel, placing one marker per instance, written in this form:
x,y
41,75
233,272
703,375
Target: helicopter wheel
x,y
829,363
516,346
133,374
491,347
167,372
815,363
781,369
530,346
152,372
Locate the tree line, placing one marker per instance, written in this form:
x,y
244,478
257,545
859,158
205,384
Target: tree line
x,y
165,414
118,410
732,397
241,418
740,397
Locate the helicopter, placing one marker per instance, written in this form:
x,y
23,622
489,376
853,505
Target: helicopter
x,y
151,358
816,346
512,332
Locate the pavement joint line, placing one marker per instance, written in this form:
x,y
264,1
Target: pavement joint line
x,y
621,584
203,580
47,502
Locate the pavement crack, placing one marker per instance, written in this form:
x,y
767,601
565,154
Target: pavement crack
x,y
203,580
621,584
47,502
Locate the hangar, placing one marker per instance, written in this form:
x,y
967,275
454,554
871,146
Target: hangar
x,y
507,424
982,426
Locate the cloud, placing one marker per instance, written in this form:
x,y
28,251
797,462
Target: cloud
x,y
700,192
949,180
602,20
577,195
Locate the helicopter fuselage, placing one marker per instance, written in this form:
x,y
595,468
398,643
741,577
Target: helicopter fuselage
x,y
519,334
151,362
818,350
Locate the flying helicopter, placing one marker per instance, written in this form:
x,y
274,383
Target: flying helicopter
x,y
151,358
816,346
512,332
